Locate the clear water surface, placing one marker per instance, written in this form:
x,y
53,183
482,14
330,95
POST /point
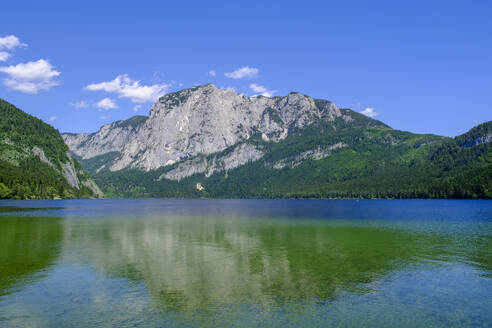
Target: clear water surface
x,y
246,263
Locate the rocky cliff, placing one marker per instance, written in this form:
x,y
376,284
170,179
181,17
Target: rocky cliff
x,y
200,121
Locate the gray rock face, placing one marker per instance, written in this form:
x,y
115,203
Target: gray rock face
x,y
200,121
94,187
42,157
67,169
482,139
111,137
315,154
69,172
241,155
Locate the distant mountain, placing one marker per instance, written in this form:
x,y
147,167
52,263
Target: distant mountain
x,y
35,162
197,121
208,142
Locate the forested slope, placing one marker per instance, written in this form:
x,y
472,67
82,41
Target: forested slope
x,y
369,160
35,162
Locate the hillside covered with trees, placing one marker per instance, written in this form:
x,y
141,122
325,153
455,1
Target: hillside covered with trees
x,y
35,162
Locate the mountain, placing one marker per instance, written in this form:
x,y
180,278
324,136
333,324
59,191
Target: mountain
x,y
201,120
35,162
208,142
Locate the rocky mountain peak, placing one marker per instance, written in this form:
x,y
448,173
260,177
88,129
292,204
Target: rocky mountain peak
x,y
200,120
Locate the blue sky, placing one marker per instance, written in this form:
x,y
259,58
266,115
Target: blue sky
x,y
421,66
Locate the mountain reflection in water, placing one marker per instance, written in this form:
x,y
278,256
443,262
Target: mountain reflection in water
x,y
197,263
28,246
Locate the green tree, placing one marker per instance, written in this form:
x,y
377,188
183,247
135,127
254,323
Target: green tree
x,y
5,191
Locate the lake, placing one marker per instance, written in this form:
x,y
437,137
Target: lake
x,y
245,263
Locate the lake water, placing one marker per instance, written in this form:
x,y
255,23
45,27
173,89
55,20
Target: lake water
x,y
246,263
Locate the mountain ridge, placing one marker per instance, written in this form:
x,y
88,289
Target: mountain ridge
x,y
207,120
208,142
201,120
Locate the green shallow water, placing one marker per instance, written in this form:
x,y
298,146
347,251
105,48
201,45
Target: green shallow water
x,y
277,263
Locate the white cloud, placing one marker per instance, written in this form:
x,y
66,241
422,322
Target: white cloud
x,y
80,104
369,112
4,56
262,90
104,117
136,108
106,103
243,72
10,42
52,118
38,70
212,73
30,77
125,87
